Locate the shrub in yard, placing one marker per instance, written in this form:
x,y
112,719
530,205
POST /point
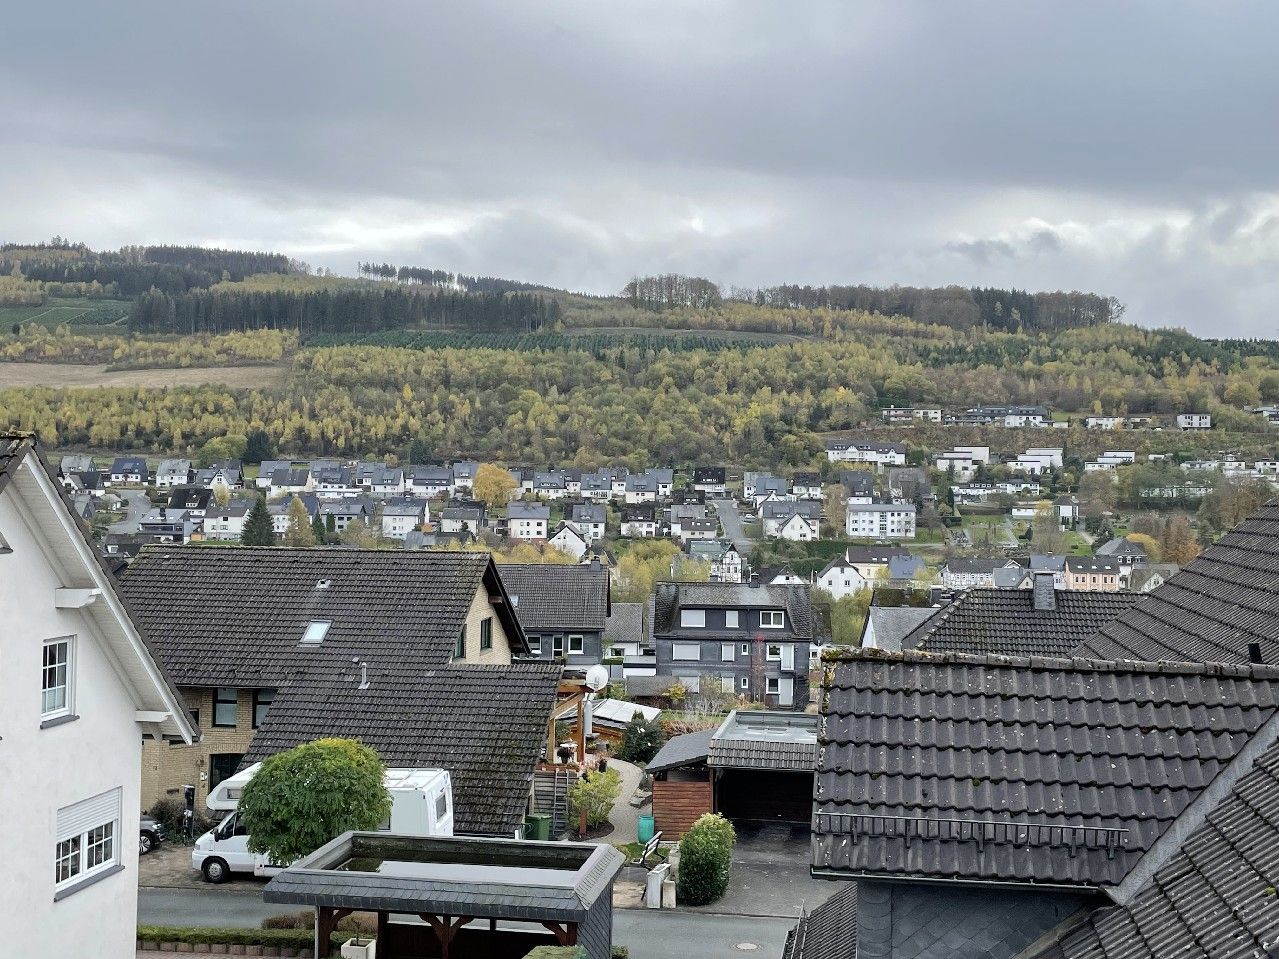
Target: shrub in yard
x,y
705,856
641,739
597,795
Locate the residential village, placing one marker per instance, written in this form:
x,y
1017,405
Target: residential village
x,y
953,702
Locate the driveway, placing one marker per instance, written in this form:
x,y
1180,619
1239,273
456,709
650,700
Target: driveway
x,y
137,506
770,873
731,520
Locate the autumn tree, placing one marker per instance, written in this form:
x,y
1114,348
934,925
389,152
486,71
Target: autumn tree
x,y
299,532
1147,542
493,485
1098,494
1046,535
1179,544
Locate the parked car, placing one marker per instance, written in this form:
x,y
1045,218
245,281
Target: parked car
x,y
151,833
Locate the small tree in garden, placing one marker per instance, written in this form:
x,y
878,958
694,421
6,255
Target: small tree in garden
x,y
705,857
641,739
302,798
596,795
259,530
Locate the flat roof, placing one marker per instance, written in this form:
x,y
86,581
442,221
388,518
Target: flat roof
x,y
491,878
750,739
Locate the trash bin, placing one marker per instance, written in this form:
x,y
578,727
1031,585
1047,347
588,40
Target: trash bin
x,y
537,826
653,886
644,828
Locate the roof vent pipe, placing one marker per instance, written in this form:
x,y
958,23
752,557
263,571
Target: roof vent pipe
x,y
1254,653
1044,591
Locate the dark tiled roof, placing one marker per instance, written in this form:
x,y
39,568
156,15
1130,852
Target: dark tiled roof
x,y
670,597
1214,897
625,624
1005,621
234,616
485,724
1210,611
829,931
911,742
684,750
556,596
892,624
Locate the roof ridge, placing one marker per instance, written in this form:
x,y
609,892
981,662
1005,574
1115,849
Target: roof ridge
x,y
1079,663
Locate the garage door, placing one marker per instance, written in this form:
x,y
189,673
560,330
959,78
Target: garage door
x,y
766,795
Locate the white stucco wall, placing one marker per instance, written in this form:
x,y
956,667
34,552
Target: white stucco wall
x,y
42,770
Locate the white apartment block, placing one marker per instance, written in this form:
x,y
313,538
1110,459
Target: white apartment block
x,y
880,521
1194,421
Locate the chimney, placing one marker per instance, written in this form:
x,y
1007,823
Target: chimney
x,y
1045,591
1254,653
364,672
754,580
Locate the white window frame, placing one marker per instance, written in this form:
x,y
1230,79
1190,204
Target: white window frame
x,y
557,644
746,649
772,619
676,649
727,652
535,645
87,831
730,619
770,655
67,686
773,685
692,619
576,644
745,683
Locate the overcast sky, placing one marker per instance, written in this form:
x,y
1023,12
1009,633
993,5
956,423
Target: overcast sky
x,y
1125,148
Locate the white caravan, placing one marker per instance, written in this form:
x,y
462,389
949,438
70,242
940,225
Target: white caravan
x,y
421,805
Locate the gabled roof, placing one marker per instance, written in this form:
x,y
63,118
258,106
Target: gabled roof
x,y
485,724
1214,897
1121,546
1025,770
557,596
1103,565
528,511
686,749
190,497
234,616
25,475
671,597
892,624
625,624
1225,599
1006,622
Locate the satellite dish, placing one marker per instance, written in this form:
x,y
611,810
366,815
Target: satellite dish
x,y
597,677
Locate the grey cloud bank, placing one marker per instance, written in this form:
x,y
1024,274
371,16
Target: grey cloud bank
x,y
1129,149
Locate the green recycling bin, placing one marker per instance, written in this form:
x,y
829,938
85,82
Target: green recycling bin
x,y
537,826
644,829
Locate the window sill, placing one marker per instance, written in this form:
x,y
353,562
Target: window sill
x,y
84,883
58,721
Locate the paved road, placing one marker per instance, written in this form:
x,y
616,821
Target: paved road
x,y
138,506
731,520
648,935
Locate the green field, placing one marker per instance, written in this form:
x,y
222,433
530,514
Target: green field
x,y
74,312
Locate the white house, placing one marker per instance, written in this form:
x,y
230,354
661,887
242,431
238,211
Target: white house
x,y
777,520
568,539
590,519
639,520
172,473
881,454
400,517
1103,422
226,522
79,691
527,521
1194,421
880,521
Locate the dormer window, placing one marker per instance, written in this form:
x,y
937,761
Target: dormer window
x,y
772,619
315,632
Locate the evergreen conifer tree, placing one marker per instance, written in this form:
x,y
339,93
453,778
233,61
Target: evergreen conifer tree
x,y
258,529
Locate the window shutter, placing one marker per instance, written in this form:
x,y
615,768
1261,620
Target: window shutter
x,y
84,815
788,656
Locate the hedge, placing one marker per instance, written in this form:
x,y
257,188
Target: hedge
x,y
294,939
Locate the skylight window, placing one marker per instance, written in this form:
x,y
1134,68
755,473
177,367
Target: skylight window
x,y
316,632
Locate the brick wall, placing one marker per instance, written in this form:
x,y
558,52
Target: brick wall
x,y
166,768
677,804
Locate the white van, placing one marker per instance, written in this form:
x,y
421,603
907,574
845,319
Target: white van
x,y
421,805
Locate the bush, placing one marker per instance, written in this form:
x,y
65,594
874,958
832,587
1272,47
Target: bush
x,y
294,938
597,795
641,739
705,857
